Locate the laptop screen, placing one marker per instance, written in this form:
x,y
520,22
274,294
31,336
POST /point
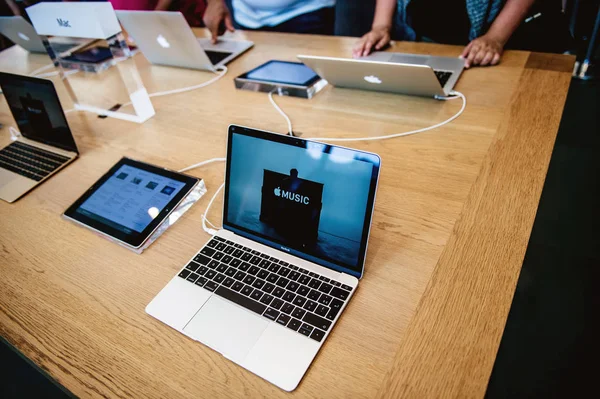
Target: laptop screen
x,y
37,111
309,199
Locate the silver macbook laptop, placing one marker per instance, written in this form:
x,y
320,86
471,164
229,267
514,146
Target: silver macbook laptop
x,y
165,38
46,145
268,288
411,74
21,32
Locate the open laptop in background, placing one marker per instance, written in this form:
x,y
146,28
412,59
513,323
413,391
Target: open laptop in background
x,y
165,38
21,32
267,289
412,74
46,145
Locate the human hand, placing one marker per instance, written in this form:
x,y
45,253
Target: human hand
x,y
215,14
377,38
484,50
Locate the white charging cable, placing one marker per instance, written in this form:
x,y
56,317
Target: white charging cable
x,y
454,94
41,69
287,118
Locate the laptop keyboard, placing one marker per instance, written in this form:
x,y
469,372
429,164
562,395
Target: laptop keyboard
x,y
30,161
442,76
216,56
303,301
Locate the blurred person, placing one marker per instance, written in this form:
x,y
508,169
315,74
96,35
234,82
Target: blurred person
x,y
485,26
291,16
192,10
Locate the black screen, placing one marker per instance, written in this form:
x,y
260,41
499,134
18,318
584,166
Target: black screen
x,y
36,108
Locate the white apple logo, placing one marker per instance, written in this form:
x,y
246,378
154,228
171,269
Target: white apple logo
x,y
277,191
373,79
23,36
162,41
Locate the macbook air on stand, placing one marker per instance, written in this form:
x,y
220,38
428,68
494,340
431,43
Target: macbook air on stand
x,y
418,75
21,32
165,38
268,288
46,145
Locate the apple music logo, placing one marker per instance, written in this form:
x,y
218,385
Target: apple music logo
x,y
291,196
23,36
164,43
373,79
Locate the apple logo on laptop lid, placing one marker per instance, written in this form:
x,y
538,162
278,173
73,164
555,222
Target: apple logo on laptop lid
x,y
23,36
373,79
164,43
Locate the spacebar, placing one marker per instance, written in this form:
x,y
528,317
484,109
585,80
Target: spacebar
x,y
241,300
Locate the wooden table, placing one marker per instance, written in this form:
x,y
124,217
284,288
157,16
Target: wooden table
x,y
452,220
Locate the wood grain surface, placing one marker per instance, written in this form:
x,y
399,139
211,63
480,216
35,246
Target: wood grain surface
x,y
453,215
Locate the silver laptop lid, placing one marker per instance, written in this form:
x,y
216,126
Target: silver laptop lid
x,y
36,108
312,200
21,32
165,38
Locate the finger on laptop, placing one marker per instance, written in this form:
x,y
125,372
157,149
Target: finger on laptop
x,y
229,23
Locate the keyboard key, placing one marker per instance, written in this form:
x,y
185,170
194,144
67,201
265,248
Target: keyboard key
x,y
314,283
322,310
201,270
208,251
273,268
339,293
346,287
211,285
239,276
213,264
289,296
301,270
287,308
203,260
255,260
278,292
314,295
192,277
226,259
264,256
255,252
284,271
299,300
201,281
325,288
277,303
229,242
293,267
237,286
213,243
241,300
235,262
210,274
272,278
229,250
323,278
219,278
305,329
266,299
192,266
253,270
264,263
293,286
228,282
335,307
336,284
246,256
256,294
298,313
273,259
221,268
258,283
221,246
246,249
247,290
325,300
282,282
294,324
316,321
271,314
283,319
238,245
218,255
283,263
219,238
303,290
317,335
304,279
313,274
184,273
244,266
231,271
310,305
294,276
262,274
268,288
249,279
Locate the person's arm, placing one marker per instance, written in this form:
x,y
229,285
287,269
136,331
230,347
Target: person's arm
x,y
487,49
379,36
163,5
14,7
216,13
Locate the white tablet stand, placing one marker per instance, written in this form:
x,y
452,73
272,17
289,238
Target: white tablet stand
x,y
127,98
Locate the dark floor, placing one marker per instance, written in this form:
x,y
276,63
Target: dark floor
x,y
550,340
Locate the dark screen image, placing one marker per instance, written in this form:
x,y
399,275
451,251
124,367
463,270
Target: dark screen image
x,y
283,72
37,110
313,200
93,55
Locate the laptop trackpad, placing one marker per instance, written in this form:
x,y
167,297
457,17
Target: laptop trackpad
x,y
226,328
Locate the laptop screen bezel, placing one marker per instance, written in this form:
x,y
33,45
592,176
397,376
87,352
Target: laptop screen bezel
x,y
330,263
7,77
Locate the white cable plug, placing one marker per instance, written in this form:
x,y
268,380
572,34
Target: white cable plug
x,y
287,118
